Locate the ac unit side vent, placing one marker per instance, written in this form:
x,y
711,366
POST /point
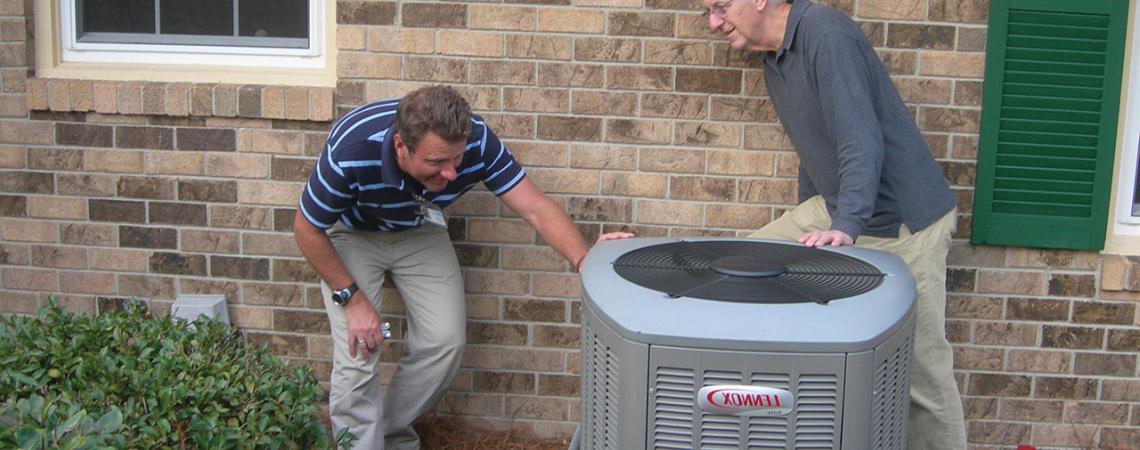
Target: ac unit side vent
x,y
891,394
816,411
815,420
600,368
767,432
772,380
673,408
612,396
720,431
720,376
590,413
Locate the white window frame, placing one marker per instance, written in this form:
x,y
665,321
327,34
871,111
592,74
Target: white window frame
x,y
73,51
1124,229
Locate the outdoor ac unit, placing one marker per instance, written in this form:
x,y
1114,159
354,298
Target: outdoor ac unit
x,y
744,344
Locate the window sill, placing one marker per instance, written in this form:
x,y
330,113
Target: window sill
x,y
181,99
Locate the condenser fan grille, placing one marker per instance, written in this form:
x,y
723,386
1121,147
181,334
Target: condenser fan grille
x,y
747,272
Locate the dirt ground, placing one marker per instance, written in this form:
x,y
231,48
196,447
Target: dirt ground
x,y
448,433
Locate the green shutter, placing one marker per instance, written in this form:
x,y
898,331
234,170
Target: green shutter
x,y
1049,110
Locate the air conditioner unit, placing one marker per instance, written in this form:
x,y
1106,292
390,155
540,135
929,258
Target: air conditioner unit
x,y
744,344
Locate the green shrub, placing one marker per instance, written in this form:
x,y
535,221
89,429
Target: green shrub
x,y
131,380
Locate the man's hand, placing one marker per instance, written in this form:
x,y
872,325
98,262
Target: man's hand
x,y
363,326
363,321
834,238
605,237
614,235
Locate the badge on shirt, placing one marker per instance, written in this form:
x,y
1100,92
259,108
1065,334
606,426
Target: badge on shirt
x,y
431,212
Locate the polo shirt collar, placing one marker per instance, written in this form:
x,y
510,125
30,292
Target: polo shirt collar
x,y
794,17
390,172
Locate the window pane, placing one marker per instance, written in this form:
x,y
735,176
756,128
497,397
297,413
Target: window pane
x,y
1136,193
202,17
116,16
273,18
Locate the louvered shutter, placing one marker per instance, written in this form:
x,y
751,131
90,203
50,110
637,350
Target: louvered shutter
x,y
1050,104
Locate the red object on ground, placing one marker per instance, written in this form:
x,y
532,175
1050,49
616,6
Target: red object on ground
x,y
1026,447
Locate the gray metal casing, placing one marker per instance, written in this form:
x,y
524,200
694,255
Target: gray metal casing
x,y
644,356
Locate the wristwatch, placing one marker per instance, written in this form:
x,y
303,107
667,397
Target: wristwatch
x,y
340,297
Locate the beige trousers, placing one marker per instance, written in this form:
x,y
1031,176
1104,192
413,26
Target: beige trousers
x,y
425,270
936,419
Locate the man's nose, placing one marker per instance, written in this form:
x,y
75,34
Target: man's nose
x,y
448,173
715,22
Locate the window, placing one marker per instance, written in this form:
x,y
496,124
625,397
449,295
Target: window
x,y
255,41
1049,123
237,23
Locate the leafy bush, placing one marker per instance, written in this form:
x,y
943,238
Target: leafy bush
x,y
131,380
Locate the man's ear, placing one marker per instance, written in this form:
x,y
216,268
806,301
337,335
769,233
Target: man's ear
x,y
401,146
760,4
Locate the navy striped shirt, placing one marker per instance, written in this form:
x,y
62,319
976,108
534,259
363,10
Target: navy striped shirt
x,y
356,180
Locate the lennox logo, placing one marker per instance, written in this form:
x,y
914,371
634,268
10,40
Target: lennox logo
x,y
745,400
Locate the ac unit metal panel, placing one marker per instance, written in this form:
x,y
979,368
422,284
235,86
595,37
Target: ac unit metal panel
x,y
768,432
613,387
891,404
878,393
672,407
817,381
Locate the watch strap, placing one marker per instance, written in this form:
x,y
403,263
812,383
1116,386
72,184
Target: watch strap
x,y
350,290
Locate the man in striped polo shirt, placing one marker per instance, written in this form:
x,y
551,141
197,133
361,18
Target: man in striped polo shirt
x,y
373,204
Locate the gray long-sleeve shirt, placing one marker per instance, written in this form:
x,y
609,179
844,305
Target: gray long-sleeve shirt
x,y
858,144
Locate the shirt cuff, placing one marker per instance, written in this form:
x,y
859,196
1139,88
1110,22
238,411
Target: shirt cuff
x,y
852,226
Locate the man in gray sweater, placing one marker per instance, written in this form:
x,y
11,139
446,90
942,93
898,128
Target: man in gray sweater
x,y
866,176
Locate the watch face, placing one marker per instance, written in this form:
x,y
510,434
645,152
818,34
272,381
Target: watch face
x,y
341,296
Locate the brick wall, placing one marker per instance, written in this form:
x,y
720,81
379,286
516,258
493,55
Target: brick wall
x,y
626,111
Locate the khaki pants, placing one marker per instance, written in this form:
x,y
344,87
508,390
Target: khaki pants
x,y
936,419
426,272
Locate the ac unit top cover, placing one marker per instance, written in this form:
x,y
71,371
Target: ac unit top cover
x,y
747,294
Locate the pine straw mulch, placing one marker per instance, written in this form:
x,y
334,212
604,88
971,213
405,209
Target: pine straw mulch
x,y
452,433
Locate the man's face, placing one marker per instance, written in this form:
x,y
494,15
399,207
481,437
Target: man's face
x,y
434,161
736,20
